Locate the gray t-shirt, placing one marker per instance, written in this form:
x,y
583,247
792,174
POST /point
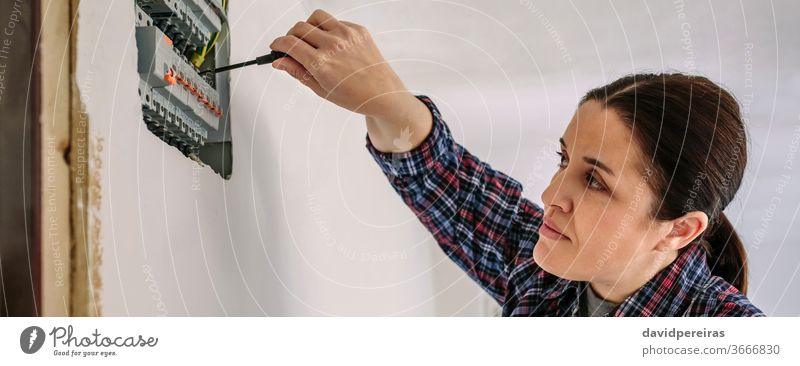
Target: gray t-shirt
x,y
593,305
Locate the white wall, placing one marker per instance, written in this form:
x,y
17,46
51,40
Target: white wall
x,y
307,225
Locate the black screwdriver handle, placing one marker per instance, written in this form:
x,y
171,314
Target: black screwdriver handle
x,y
268,58
260,60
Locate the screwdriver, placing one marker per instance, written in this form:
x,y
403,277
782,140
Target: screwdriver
x,y
260,60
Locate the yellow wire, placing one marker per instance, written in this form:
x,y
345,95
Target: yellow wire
x,y
210,44
200,57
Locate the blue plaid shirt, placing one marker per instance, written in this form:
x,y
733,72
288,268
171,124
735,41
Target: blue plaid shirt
x,y
480,219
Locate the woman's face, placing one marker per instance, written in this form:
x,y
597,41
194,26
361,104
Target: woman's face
x,y
599,201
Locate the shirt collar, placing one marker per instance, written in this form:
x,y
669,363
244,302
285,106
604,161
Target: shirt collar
x,y
671,290
668,293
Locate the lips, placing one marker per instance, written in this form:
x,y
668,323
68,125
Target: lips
x,y
554,228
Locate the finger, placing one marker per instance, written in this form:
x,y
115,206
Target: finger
x,y
297,71
320,18
309,33
295,47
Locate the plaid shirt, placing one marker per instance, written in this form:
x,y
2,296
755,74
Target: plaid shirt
x,y
480,219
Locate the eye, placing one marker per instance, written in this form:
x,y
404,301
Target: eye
x,y
593,182
562,161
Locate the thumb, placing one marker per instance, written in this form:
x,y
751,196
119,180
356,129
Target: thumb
x,y
297,71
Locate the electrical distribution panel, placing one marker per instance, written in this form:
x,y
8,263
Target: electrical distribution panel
x,y
186,108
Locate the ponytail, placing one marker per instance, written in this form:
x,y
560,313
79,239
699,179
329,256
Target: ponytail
x,y
726,255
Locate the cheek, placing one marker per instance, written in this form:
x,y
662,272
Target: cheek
x,y
605,237
614,245
600,240
579,258
594,226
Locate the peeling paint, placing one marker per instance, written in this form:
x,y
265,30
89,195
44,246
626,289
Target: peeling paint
x,y
95,203
86,198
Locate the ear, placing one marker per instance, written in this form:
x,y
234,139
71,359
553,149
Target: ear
x,y
683,230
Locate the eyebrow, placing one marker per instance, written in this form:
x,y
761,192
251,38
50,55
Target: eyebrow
x,y
589,160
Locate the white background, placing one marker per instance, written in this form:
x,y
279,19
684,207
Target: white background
x,y
395,341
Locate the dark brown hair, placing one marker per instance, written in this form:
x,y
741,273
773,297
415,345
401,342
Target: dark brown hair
x,y
691,133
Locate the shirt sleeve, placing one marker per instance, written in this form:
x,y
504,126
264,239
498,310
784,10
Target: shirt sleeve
x,y
476,214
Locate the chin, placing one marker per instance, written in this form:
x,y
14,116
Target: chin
x,y
545,256
555,261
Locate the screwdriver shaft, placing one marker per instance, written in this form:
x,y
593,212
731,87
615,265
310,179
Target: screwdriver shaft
x,y
266,59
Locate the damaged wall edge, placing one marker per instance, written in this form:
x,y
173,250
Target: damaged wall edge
x,y
69,165
85,192
52,120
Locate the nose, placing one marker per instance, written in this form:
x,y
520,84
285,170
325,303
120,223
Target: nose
x,y
557,193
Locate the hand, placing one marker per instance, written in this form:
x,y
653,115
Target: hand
x,y
340,62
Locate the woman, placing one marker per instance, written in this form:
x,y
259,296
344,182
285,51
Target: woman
x,y
632,223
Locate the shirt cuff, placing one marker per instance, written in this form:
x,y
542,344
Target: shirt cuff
x,y
434,147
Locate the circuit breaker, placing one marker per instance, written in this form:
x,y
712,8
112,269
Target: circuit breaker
x,y
184,107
